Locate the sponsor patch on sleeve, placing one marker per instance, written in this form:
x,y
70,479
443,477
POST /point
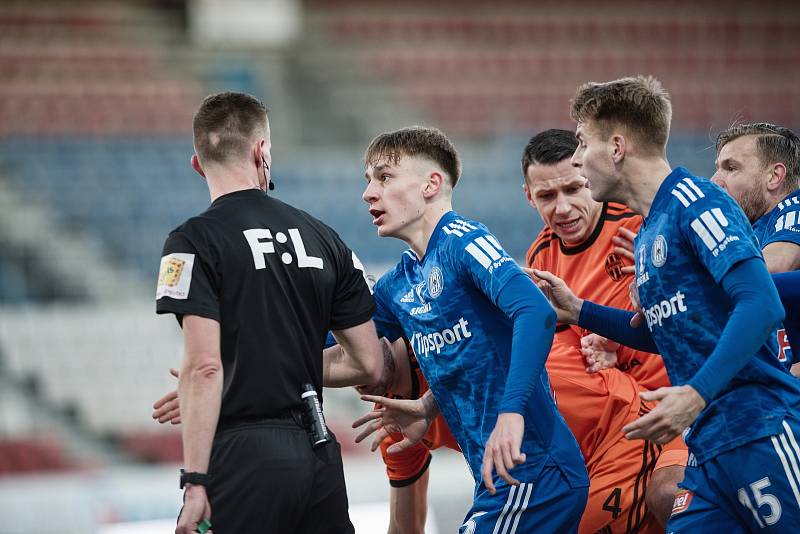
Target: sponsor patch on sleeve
x,y
175,276
682,500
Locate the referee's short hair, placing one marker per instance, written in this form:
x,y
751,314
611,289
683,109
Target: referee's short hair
x,y
225,124
416,141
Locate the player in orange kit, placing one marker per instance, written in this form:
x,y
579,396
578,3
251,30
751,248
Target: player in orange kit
x,y
576,245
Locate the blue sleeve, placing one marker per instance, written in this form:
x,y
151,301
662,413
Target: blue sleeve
x,y
614,324
788,286
757,310
534,327
784,226
479,258
386,322
715,227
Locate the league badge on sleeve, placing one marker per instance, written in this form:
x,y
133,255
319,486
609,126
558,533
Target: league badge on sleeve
x,y
175,276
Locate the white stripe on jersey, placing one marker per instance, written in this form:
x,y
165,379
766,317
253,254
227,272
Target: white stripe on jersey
x,y
679,196
687,191
453,231
713,220
476,253
493,240
690,183
700,229
481,241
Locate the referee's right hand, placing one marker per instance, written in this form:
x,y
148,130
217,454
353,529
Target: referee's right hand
x,y
195,509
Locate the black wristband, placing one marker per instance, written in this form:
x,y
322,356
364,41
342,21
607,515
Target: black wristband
x,y
198,479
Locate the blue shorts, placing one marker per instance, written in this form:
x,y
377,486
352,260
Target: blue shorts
x,y
549,504
753,488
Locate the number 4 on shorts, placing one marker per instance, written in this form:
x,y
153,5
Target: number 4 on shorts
x,y
612,503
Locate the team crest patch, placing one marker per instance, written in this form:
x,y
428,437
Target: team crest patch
x,y
659,252
435,282
682,501
175,276
614,267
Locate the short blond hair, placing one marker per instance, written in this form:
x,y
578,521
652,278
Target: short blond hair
x,y
640,104
421,141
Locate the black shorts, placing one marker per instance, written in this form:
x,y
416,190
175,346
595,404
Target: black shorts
x,y
267,478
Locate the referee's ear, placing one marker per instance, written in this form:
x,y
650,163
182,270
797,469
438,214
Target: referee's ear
x,y
196,165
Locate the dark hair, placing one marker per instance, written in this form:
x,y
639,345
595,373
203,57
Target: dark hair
x,y
548,148
775,144
225,123
640,104
430,143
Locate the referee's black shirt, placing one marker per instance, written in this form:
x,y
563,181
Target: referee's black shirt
x,y
276,279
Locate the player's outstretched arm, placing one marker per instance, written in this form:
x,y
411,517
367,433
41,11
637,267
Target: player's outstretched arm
x,y
412,418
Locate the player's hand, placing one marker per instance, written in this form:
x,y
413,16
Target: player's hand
x,y
502,452
624,247
561,297
167,409
598,352
408,417
195,509
633,293
677,410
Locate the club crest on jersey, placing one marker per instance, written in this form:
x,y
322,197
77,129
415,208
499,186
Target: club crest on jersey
x,y
614,267
435,282
659,252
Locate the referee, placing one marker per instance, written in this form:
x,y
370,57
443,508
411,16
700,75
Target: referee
x,y
256,284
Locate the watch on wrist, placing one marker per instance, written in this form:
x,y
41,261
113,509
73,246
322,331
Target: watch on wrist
x,y
198,479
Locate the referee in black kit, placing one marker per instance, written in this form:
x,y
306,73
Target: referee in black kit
x,y
256,284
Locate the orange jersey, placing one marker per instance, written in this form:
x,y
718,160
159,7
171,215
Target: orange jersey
x,y
405,467
595,406
593,271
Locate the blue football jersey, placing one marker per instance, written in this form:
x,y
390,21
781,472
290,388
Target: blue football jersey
x,y
782,224
693,235
445,304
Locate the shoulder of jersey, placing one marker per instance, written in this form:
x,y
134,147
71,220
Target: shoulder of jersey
x,y
791,202
461,229
542,242
692,189
616,211
387,277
